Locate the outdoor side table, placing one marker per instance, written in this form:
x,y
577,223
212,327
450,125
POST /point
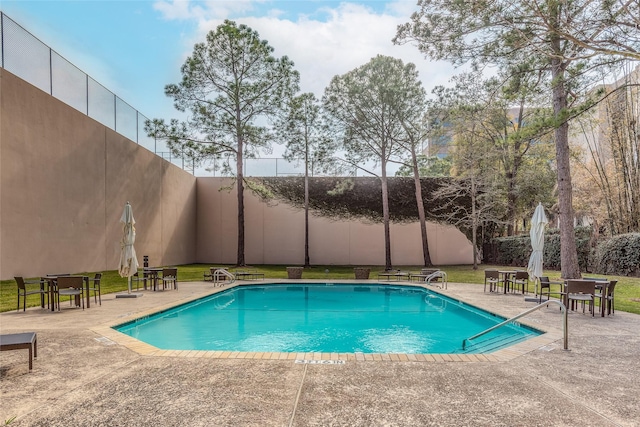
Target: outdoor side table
x,y
25,340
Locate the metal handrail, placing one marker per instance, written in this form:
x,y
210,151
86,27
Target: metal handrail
x,y
222,272
524,313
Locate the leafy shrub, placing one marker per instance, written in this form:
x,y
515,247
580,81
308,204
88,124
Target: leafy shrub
x,y
516,250
618,255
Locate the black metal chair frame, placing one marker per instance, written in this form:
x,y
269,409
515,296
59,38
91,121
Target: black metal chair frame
x,y
69,286
24,292
492,277
97,295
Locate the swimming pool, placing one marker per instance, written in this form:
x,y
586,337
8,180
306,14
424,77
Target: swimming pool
x,y
340,318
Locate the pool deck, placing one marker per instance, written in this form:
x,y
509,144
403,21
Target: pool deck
x,y
86,374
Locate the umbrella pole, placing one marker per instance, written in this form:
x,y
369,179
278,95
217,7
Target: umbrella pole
x,y
129,283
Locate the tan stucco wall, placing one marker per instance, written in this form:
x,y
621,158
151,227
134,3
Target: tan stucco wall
x,y
64,180
275,235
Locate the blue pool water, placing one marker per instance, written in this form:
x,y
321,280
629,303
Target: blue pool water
x,y
325,318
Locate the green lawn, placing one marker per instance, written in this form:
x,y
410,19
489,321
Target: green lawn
x,y
627,289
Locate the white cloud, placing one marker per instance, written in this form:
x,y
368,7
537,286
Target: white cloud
x,y
338,38
199,10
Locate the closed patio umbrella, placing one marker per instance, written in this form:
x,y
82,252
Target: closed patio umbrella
x,y
128,261
538,223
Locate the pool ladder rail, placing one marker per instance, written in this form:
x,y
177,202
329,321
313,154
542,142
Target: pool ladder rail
x,y
437,275
222,273
524,313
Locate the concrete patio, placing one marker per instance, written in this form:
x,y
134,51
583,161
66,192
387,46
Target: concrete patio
x,y
87,375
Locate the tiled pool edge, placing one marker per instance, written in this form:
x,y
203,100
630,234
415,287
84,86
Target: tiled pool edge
x,y
106,330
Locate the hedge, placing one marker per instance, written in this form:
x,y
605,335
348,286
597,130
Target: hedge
x,y
516,250
618,255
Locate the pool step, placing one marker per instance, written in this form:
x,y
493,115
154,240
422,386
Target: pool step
x,y
494,343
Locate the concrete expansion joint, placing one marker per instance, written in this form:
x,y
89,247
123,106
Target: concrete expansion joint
x,y
295,403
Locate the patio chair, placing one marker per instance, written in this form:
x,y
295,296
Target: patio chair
x,y
95,287
520,278
582,291
608,294
169,278
23,292
143,277
491,277
545,283
71,286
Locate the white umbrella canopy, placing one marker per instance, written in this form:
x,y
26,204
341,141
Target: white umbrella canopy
x,y
538,224
128,260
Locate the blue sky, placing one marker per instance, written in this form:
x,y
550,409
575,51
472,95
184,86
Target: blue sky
x,y
135,48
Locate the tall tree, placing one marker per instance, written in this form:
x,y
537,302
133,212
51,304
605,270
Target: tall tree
x,y
514,138
302,129
474,181
231,85
464,111
563,37
610,135
414,123
366,106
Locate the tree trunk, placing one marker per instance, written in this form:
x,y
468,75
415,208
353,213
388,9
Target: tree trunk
x,y
512,174
568,250
240,186
306,206
512,197
385,216
423,225
474,222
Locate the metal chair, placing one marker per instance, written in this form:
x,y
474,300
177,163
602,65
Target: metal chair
x,y
607,293
492,278
521,278
545,283
95,287
24,292
169,278
583,291
71,286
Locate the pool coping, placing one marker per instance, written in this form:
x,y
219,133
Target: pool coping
x,y
107,331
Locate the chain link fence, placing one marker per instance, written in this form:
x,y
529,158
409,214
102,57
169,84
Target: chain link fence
x,y
24,55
